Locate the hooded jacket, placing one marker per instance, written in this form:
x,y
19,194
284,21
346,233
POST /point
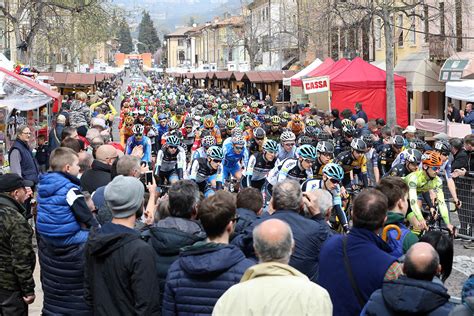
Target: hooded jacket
x,y
426,298
200,276
274,288
120,273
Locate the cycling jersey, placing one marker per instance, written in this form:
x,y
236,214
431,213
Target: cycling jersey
x,y
283,154
418,182
347,161
318,169
145,142
202,173
342,144
167,162
254,147
231,158
258,167
399,170
289,169
215,132
386,157
201,152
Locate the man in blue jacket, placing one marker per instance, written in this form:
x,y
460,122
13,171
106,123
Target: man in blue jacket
x,y
426,297
353,266
205,270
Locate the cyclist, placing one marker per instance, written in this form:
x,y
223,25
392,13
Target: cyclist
x,y
256,143
139,140
230,125
372,158
260,165
343,142
206,143
207,171
172,130
325,152
171,161
389,152
331,180
423,181
352,158
287,147
209,126
443,147
412,159
298,169
234,152
274,132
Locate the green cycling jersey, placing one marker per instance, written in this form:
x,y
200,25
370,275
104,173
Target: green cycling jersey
x,y
418,182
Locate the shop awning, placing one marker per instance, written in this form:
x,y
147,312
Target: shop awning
x,y
460,90
422,75
200,75
222,75
237,75
458,66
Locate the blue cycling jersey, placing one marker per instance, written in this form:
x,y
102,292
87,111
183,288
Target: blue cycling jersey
x,y
231,158
132,142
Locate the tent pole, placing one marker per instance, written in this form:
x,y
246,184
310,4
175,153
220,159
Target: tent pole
x,y
446,115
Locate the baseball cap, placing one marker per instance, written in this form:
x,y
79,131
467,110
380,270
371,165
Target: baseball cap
x,y
11,181
410,129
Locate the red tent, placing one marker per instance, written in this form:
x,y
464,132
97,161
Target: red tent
x,y
298,82
362,82
335,69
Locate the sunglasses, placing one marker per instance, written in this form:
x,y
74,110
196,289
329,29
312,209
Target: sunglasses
x,y
308,161
238,147
326,154
172,147
334,181
360,152
216,161
259,139
435,168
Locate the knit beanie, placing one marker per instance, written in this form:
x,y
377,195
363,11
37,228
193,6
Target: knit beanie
x,y
124,196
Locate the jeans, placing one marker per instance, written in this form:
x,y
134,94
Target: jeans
x,y
12,304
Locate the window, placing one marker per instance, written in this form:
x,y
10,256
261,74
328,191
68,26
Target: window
x,y
265,43
412,33
230,55
181,42
378,33
400,29
181,56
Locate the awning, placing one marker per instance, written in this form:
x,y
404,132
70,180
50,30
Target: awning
x,y
460,90
200,75
422,75
303,72
222,75
237,75
253,76
458,66
379,64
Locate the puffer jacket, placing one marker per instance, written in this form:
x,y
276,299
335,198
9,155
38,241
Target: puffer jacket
x,y
55,217
62,279
80,114
200,276
167,239
426,298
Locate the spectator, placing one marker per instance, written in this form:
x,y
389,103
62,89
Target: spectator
x,y
280,95
445,249
346,114
319,204
80,114
69,132
409,133
42,153
425,296
249,207
309,233
468,115
453,113
73,144
120,274
56,132
272,287
205,270
336,123
469,147
359,113
21,157
178,230
17,256
361,128
100,172
460,156
85,162
396,191
467,299
352,267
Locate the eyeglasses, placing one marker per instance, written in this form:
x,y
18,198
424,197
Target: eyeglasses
x,y
334,181
216,161
238,147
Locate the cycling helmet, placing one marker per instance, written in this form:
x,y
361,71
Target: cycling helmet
x,y
285,115
162,116
307,152
238,140
417,144
255,123
334,171
208,122
348,122
312,131
221,122
275,120
287,136
369,141
215,152
254,104
188,122
173,125
432,158
304,140
311,123
208,141
172,140
443,147
141,112
271,146
413,156
398,141
148,120
231,123
349,130
296,118
224,106
358,144
259,133
283,122
138,129
325,147
179,111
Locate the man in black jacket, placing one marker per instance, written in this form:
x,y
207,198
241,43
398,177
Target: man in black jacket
x,y
460,156
120,272
100,172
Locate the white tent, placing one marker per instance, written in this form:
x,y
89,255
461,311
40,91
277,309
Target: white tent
x,y
6,63
303,72
460,90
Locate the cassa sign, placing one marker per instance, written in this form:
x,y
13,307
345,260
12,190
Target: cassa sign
x,y
315,85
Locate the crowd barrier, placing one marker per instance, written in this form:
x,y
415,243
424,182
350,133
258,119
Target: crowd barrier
x,y
465,192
